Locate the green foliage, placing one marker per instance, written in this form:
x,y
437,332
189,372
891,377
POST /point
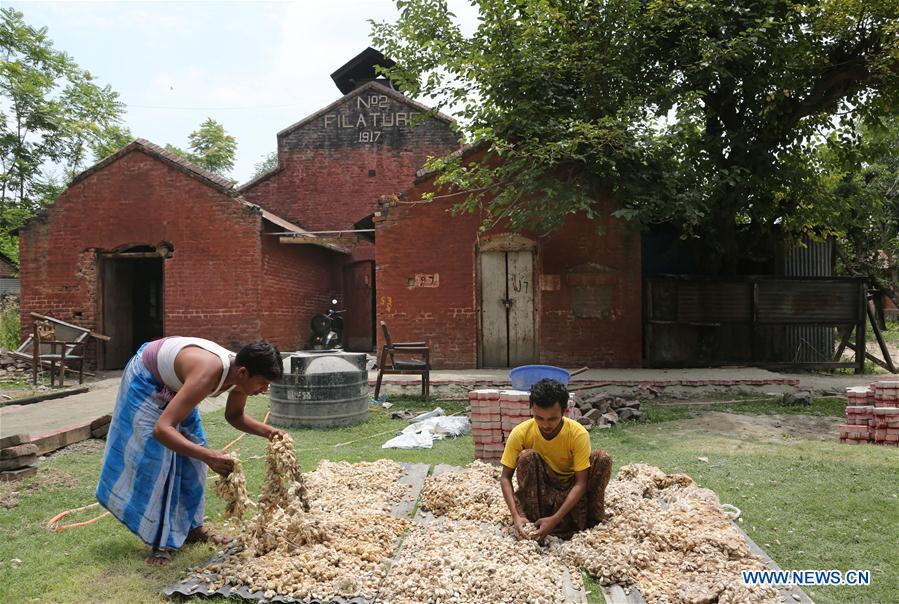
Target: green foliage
x,y
111,140
697,113
10,326
210,147
268,163
53,112
862,171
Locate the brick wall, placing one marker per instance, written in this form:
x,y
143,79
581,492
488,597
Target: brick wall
x,y
585,255
211,282
330,177
298,282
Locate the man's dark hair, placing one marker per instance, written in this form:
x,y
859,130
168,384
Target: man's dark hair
x,y
261,358
547,393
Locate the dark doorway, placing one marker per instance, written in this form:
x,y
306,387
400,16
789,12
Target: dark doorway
x,y
359,297
132,305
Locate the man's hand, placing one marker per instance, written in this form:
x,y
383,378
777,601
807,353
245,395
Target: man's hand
x,y
273,432
545,527
519,524
219,462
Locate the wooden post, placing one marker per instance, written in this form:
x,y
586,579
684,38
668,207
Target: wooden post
x,y
62,363
860,329
35,353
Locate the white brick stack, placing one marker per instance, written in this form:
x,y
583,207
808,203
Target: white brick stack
x,y
494,413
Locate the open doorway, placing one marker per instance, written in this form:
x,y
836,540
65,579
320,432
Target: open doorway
x,y
132,303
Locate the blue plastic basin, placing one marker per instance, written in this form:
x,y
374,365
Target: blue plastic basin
x,y
527,375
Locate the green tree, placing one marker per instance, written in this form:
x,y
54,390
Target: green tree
x,y
268,163
111,140
210,147
52,113
862,172
692,112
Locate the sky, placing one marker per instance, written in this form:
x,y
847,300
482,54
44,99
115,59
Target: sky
x,y
254,67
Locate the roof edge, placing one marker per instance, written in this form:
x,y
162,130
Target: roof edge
x,y
397,96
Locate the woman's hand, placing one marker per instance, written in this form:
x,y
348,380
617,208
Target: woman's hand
x,y
219,462
273,432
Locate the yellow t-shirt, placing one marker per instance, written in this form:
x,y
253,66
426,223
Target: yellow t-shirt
x,y
568,452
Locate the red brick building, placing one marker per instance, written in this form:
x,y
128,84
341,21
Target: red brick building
x,y
145,244
504,299
334,164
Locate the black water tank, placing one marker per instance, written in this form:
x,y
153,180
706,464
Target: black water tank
x,y
321,389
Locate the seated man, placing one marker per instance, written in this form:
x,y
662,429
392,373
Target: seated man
x,y
561,484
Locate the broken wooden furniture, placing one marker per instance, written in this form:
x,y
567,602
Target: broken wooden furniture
x,y
56,344
388,364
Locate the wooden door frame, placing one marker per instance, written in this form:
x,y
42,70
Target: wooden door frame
x,y
163,250
505,242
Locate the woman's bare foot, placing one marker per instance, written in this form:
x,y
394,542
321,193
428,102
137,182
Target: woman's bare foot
x,y
159,557
201,534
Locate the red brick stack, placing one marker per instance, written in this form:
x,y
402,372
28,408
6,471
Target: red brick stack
x,y
860,395
486,424
515,407
886,426
859,426
494,413
886,393
872,415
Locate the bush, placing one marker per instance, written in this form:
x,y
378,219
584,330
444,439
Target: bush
x,y
10,327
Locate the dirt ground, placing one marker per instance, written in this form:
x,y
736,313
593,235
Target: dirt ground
x,y
766,428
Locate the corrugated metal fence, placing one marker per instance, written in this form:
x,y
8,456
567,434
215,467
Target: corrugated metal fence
x,y
808,343
772,321
9,287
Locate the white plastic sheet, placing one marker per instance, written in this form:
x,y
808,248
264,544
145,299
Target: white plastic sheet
x,y
422,434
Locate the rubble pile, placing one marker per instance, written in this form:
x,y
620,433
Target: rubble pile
x,y
604,410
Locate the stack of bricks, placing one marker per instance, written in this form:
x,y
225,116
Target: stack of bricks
x,y
494,413
872,415
886,393
859,426
486,424
886,426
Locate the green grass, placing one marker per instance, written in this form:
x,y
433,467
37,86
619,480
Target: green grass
x,y
10,326
891,334
808,503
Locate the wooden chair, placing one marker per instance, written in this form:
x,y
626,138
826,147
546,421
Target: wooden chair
x,y
56,344
388,363
46,348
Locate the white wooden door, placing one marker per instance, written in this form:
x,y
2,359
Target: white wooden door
x,y
519,279
507,308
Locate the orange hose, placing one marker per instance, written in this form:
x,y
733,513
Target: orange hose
x,y
53,523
